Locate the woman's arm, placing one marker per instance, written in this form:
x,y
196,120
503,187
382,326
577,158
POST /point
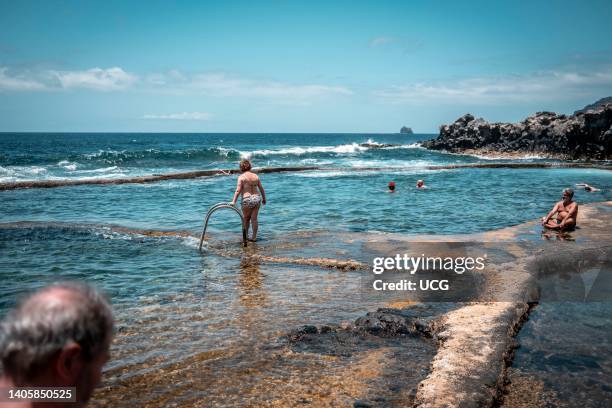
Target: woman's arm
x,y
238,190
261,190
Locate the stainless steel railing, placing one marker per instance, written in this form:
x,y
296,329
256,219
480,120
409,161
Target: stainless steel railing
x,y
218,207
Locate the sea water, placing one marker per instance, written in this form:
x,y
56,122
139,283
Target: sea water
x,y
174,304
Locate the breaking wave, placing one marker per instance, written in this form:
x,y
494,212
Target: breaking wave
x,y
116,157
338,150
196,155
114,163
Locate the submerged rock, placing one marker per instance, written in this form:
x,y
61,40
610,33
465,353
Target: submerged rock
x,y
584,135
374,145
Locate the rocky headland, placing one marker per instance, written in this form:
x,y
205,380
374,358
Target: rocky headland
x,y
585,135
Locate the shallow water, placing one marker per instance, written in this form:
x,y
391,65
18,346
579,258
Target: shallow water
x,y
565,349
183,317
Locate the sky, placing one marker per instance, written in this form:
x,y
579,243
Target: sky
x,y
296,66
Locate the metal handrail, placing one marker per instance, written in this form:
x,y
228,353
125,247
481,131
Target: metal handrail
x,y
217,207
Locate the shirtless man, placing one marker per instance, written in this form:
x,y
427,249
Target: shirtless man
x,y
248,183
567,213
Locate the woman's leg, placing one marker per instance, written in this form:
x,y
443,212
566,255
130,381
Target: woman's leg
x,y
254,221
246,213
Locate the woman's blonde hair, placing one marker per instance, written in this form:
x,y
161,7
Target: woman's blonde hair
x,y
245,165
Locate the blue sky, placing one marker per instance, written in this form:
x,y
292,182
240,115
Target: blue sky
x,y
307,66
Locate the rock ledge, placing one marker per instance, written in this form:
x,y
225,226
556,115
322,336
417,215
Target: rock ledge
x,y
582,136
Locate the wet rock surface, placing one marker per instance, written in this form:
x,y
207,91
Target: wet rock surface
x,y
584,135
418,320
401,338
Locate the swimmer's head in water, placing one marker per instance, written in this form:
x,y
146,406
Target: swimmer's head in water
x,y
420,183
245,165
568,193
391,185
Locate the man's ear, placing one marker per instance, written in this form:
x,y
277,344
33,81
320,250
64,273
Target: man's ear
x,y
69,363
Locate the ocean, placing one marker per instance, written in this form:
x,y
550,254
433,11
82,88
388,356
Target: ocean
x,y
176,307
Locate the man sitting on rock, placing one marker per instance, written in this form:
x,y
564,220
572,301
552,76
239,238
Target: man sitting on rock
x,y
566,212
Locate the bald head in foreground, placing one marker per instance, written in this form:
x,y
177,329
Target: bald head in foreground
x,y
57,337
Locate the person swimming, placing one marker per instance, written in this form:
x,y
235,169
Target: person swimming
x,y
566,212
247,185
391,187
587,187
421,184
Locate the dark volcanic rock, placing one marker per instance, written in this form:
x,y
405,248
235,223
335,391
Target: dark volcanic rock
x,y
375,145
406,130
585,135
595,105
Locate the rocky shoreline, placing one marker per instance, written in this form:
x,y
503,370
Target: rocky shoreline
x,y
585,135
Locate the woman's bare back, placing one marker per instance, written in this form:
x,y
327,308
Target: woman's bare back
x,y
250,183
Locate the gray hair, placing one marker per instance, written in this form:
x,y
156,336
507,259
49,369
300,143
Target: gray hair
x,y
46,321
569,192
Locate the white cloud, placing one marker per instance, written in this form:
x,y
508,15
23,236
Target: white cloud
x,y
405,44
377,41
111,79
544,85
18,83
181,116
173,81
223,85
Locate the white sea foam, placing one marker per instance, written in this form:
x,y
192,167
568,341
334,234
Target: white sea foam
x,y
6,171
111,169
408,146
343,149
501,156
35,170
17,173
193,242
67,165
325,174
225,152
372,142
408,164
95,177
107,233
101,153
298,150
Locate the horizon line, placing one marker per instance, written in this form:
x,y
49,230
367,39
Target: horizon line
x,y
229,133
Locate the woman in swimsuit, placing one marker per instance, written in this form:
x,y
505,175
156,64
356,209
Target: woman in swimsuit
x,y
248,183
